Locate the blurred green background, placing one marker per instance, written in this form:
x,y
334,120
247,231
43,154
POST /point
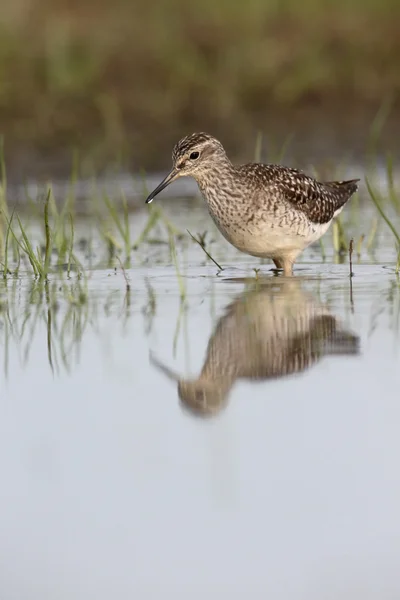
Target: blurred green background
x,y
127,78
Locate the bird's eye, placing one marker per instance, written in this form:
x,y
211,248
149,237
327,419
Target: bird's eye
x,y
194,155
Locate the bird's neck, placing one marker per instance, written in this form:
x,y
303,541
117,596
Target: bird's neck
x,y
217,183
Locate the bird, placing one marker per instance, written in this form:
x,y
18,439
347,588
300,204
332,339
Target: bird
x,y
264,210
272,329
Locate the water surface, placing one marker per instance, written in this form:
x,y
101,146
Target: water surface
x,y
203,434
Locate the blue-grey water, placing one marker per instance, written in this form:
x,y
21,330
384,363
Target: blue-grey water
x,y
275,474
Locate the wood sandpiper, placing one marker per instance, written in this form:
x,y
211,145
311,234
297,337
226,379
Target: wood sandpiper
x,y
270,211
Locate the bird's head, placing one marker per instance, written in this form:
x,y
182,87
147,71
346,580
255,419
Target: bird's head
x,y
192,156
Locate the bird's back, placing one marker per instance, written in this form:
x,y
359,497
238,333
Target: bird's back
x,y
319,201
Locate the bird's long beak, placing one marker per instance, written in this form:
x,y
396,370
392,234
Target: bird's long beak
x,y
173,174
172,375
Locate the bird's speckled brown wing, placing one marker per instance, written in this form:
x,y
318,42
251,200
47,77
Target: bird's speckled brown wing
x,y
243,347
319,201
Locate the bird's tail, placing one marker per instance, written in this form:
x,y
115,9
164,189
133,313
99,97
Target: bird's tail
x,y
351,185
341,191
345,188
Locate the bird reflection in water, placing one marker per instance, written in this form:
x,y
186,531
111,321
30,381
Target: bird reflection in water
x,y
274,330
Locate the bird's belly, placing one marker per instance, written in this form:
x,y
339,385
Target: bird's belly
x,y
271,240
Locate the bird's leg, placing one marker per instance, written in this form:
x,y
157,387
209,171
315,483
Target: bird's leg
x,y
285,264
278,266
278,263
287,267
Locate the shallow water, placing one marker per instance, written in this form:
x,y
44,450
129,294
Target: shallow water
x,y
242,439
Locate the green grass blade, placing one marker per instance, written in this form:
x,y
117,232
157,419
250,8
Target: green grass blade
x,y
375,199
35,264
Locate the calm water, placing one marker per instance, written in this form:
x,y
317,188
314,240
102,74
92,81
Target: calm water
x,y
245,441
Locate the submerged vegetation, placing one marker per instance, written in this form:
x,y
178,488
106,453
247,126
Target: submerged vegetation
x,y
54,316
